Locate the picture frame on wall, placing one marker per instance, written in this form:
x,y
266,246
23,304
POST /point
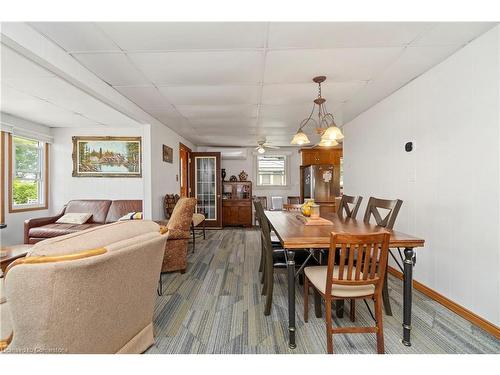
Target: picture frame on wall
x,y
168,154
107,156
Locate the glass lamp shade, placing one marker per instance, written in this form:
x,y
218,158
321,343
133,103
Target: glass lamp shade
x,y
300,138
327,143
261,150
332,133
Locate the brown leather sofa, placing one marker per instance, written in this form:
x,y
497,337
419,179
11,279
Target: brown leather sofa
x,y
103,212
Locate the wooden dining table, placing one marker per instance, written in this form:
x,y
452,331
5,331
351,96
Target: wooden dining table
x,y
294,234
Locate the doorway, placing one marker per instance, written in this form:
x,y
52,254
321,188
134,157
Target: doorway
x,y
184,160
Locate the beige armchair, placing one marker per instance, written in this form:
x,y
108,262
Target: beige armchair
x,y
177,229
92,291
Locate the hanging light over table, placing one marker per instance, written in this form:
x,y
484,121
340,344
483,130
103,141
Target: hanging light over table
x,y
325,125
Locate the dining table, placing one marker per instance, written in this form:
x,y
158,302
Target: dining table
x,y
293,234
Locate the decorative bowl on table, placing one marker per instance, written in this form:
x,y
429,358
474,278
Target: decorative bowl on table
x,y
233,178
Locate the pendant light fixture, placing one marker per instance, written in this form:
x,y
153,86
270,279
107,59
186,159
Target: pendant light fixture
x,y
325,124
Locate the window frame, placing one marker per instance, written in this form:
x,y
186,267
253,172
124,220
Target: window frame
x,y
287,170
2,177
44,172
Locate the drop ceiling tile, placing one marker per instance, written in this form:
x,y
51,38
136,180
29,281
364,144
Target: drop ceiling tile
x,y
289,113
177,123
113,68
213,94
301,93
76,36
15,66
200,68
339,64
164,111
343,34
224,123
227,140
163,36
452,33
242,132
217,111
146,97
412,63
37,110
64,95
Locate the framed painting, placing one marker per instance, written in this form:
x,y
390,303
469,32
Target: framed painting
x,y
168,154
107,156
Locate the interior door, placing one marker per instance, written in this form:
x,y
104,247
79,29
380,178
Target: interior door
x,y
184,159
206,186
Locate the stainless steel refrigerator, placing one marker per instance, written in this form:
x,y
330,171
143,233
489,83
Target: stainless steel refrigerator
x,y
320,182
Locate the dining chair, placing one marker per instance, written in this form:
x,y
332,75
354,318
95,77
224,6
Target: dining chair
x,y
271,257
344,210
293,199
292,207
362,262
263,201
276,203
372,209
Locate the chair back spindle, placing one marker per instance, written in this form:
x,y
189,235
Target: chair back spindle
x,y
361,259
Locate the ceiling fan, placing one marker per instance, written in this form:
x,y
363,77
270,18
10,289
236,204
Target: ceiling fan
x,y
263,145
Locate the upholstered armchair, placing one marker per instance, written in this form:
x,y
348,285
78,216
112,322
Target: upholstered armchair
x,y
178,232
169,203
93,291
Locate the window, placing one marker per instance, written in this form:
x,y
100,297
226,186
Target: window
x,y
2,177
28,174
271,170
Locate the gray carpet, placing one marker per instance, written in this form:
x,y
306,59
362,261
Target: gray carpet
x,y
216,307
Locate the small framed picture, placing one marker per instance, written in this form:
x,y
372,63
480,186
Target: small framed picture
x,y
168,154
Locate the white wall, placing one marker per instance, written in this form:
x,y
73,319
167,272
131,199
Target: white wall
x,y
65,187
14,233
450,183
164,176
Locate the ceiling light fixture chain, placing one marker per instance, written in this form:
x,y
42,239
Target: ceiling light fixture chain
x,y
325,126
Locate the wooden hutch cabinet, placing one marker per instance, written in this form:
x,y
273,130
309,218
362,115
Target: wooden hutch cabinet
x,y
237,203
313,156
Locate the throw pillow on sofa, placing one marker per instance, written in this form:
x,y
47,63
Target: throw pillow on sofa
x,y
74,218
131,216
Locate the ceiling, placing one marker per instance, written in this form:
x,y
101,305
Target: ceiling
x,y
229,84
31,92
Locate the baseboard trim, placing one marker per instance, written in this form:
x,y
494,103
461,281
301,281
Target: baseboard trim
x,y
453,306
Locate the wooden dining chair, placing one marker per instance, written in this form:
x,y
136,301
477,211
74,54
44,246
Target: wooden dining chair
x,y
263,201
344,210
293,199
362,262
271,257
292,207
372,209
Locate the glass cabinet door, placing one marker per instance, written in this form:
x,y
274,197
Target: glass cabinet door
x,y
206,178
206,187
